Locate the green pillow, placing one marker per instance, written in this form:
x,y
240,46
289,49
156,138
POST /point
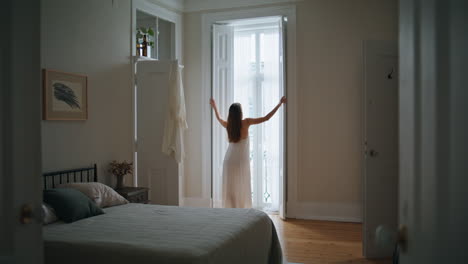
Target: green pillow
x,y
71,205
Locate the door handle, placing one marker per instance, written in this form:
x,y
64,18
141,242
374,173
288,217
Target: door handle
x,y
402,237
385,236
26,214
373,153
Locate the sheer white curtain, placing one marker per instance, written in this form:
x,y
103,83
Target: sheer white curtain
x,y
244,71
257,88
244,80
269,57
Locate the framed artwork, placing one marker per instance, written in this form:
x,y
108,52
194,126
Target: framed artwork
x,y
65,96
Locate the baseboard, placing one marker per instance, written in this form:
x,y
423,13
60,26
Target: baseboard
x,y
195,202
340,212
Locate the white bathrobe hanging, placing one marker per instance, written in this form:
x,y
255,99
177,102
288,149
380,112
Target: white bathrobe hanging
x,y
176,122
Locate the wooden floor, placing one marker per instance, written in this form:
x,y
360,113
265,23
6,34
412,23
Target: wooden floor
x,y
309,241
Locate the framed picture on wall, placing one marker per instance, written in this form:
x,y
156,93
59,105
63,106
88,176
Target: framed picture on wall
x,y
65,96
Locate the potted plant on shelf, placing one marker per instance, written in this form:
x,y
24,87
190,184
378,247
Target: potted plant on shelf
x,y
119,170
144,39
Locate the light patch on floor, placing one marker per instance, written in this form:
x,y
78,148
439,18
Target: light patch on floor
x,y
310,241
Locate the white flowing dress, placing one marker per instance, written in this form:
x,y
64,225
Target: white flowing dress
x,y
236,176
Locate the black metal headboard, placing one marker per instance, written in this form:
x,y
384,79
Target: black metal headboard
x,y
51,179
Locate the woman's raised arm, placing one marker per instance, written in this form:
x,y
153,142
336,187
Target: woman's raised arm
x,y
255,121
213,105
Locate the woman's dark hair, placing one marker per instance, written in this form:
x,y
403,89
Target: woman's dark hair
x,y
234,122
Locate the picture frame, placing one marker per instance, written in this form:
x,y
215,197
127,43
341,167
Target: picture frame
x,y
65,96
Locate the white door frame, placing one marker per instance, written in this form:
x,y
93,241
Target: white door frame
x,y
292,146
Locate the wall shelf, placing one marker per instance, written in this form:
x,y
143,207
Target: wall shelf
x,y
142,58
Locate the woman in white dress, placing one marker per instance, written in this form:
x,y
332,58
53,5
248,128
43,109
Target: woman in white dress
x,y
236,166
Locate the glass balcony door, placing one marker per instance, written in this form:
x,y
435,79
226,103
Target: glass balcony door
x,y
249,63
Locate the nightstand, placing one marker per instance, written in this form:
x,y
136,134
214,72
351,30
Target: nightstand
x,y
134,194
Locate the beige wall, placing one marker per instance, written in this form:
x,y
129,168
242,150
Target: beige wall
x,y
330,34
330,81
91,38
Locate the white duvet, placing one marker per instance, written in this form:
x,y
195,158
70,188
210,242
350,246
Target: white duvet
x,y
139,233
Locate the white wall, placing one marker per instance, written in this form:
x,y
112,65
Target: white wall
x,y
193,92
330,81
91,38
329,86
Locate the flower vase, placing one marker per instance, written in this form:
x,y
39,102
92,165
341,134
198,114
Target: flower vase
x,y
120,183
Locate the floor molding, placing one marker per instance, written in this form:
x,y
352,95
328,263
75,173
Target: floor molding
x,y
340,212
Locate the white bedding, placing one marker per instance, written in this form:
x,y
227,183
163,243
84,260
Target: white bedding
x,y
138,233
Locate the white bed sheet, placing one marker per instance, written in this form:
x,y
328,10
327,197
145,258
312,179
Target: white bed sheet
x,y
139,233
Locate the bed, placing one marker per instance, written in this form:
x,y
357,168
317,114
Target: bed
x,y
145,233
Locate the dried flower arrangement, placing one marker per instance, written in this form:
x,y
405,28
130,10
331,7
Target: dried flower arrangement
x,y
120,169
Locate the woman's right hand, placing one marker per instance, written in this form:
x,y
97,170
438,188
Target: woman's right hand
x,y
283,100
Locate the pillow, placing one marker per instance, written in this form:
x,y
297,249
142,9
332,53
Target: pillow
x,y
71,205
48,214
101,194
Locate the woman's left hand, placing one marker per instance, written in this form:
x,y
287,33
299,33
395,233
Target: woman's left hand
x,y
212,103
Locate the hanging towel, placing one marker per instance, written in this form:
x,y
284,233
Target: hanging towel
x,y
176,122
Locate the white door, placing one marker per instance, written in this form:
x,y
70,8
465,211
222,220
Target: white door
x,y
282,119
155,170
20,134
222,92
380,144
433,201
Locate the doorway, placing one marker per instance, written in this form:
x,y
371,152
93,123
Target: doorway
x,y
248,68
